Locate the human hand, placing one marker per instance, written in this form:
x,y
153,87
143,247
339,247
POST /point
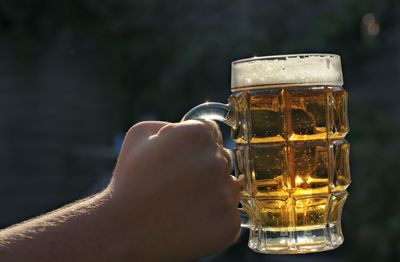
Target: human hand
x,y
172,194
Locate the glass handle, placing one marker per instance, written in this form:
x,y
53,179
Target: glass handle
x,y
212,111
224,113
244,218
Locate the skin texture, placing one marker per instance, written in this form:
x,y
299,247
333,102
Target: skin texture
x,y
171,198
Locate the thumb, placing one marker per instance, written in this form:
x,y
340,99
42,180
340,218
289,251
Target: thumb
x,y
142,131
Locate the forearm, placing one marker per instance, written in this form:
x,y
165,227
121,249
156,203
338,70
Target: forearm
x,y
78,232
160,205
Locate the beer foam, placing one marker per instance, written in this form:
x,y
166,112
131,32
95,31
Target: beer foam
x,y
298,69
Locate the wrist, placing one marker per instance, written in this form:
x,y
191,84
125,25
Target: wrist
x,y
122,224
135,228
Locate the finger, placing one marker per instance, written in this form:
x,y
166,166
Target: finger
x,y
141,132
197,130
214,130
235,189
146,128
153,127
232,180
227,154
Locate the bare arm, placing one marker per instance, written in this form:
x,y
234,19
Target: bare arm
x,y
78,230
170,199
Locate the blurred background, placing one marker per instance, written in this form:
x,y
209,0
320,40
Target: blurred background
x,y
76,74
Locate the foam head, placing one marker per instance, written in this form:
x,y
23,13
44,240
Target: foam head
x,y
299,69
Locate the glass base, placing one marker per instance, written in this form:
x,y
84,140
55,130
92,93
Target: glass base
x,y
314,239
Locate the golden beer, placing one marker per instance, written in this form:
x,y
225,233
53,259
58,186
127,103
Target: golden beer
x,y
294,161
289,119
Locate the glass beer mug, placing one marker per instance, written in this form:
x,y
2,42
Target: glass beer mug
x,y
288,116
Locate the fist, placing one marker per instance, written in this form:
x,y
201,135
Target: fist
x,y
173,190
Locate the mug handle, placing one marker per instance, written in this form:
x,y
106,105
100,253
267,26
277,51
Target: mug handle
x,y
224,113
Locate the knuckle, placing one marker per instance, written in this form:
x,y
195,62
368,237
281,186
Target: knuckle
x,y
215,131
167,130
133,129
200,130
227,154
220,165
192,130
138,129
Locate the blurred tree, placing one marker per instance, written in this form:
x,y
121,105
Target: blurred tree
x,y
166,57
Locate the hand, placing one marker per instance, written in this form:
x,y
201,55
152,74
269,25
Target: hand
x,y
171,198
173,191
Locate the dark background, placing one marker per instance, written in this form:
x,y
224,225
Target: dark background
x,y
74,75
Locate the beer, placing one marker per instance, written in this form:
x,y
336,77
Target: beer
x,y
298,166
289,120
